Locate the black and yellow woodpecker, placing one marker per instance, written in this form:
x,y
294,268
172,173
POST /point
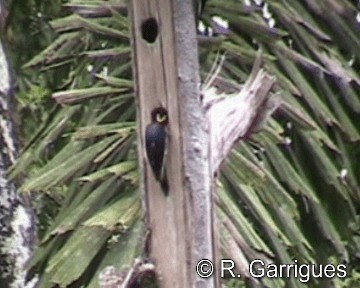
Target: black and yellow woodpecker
x,y
156,145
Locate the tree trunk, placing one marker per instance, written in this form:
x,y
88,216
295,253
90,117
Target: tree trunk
x,y
17,225
167,74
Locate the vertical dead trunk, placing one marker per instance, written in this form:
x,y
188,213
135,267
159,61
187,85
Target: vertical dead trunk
x,y
167,74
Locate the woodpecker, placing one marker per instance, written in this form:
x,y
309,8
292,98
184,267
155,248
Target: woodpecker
x,y
156,144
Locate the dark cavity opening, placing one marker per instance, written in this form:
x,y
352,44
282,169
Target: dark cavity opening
x,y
150,30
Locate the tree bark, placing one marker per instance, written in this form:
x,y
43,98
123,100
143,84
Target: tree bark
x,y
233,117
17,225
167,74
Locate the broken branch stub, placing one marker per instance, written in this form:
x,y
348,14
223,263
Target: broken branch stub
x,y
238,115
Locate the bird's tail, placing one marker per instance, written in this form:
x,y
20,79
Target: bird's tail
x,y
164,183
161,177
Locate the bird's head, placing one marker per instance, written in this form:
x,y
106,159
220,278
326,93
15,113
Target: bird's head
x,y
160,115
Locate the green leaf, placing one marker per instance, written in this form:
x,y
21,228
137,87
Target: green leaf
x,y
65,165
121,214
117,170
79,95
62,269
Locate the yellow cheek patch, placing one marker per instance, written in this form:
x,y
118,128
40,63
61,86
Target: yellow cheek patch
x,y
160,118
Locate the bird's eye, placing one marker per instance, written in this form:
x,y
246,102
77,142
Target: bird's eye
x,y
160,118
